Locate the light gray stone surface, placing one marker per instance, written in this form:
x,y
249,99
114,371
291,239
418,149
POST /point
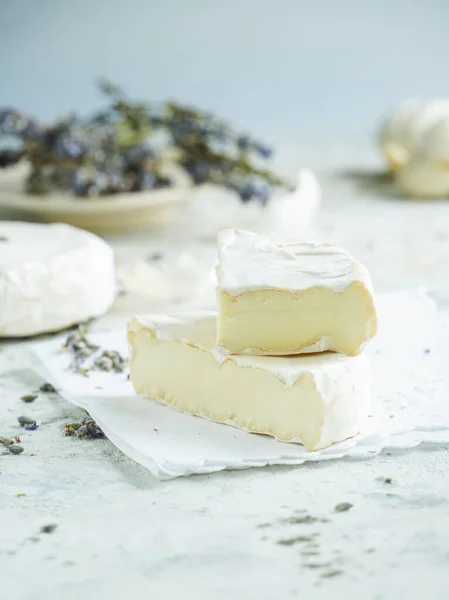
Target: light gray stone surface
x,y
122,534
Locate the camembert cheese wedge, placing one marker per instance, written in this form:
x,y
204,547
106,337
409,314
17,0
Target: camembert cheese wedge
x,y
287,297
313,400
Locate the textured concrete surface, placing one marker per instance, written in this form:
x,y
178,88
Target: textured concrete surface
x,y
265,533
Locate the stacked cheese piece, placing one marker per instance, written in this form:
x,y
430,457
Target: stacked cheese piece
x,y
283,355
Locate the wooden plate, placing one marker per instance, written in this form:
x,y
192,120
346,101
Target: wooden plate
x,y
119,213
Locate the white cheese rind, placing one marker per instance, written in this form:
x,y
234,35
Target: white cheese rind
x,y
51,277
249,261
283,297
315,400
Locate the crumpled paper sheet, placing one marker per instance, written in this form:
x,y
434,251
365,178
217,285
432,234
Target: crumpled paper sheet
x,y
410,401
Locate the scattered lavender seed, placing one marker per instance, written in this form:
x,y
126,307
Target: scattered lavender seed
x,y
343,506
295,540
29,398
6,441
81,432
71,428
94,431
302,520
330,574
15,449
81,348
48,528
427,351
104,363
47,388
31,426
86,428
118,362
316,565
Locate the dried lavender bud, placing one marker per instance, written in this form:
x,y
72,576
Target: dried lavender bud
x,y
82,432
93,430
264,151
343,506
9,157
111,360
25,421
48,528
84,351
67,147
118,360
108,152
29,398
15,449
47,388
13,122
199,170
104,363
78,339
71,428
31,426
81,348
86,428
6,441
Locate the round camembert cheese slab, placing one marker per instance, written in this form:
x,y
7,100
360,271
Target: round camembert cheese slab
x,y
51,277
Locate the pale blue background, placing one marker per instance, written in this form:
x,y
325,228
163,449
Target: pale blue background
x,y
286,69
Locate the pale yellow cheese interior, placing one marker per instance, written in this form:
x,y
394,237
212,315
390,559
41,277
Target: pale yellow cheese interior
x,y
270,321
252,395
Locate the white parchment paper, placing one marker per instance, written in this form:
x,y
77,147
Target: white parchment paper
x,y
409,356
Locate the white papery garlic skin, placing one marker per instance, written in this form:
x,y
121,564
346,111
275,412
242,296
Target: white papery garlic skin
x,y
402,131
426,175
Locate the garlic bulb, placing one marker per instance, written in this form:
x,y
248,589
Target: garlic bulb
x,y
402,131
427,172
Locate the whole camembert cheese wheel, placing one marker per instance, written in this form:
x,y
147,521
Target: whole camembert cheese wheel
x,y
51,277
